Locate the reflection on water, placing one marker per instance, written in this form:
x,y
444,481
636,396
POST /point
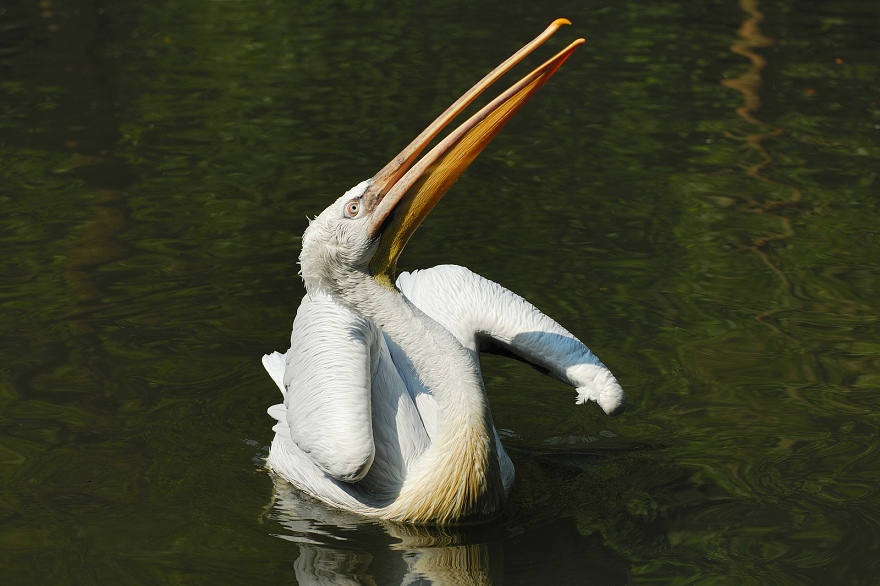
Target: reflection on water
x,y
751,40
336,547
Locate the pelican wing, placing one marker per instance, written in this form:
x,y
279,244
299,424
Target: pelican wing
x,y
326,384
482,314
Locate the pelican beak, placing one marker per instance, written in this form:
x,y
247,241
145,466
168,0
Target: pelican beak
x,y
402,194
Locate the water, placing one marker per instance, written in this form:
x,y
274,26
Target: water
x,y
695,194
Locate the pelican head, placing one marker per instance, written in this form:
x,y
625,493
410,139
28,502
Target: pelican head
x,y
338,242
364,231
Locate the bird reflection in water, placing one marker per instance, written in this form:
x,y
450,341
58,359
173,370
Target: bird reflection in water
x,y
341,548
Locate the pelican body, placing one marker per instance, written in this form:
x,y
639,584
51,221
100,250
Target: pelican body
x,y
385,412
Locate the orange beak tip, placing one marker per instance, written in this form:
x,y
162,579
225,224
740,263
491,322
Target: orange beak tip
x,y
405,191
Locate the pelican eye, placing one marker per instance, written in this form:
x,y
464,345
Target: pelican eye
x,y
353,208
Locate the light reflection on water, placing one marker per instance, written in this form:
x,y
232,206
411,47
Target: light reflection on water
x,y
719,253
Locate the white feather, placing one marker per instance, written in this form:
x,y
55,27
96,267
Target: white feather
x,y
360,418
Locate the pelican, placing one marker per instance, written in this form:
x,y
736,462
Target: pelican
x,y
384,411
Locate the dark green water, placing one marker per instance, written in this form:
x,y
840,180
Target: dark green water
x,y
695,194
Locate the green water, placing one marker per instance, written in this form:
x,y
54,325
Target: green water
x,y
695,194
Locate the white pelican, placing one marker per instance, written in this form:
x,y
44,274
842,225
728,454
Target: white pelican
x,y
384,411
